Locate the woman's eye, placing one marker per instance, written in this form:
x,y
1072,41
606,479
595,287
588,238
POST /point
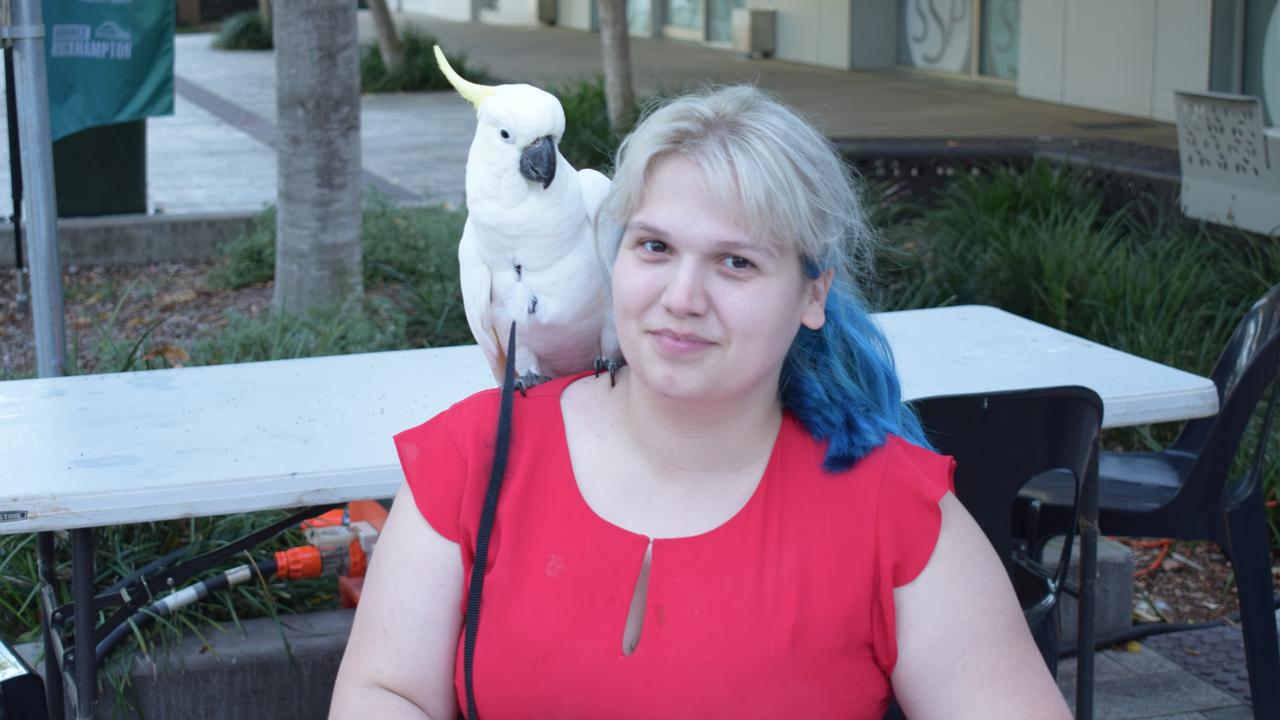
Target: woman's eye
x,y
737,262
653,246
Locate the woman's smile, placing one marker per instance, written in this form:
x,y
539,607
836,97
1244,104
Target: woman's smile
x,y
680,344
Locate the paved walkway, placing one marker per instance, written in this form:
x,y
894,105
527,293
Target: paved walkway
x,y
217,153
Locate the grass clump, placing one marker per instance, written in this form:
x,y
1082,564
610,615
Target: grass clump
x,y
121,550
411,253
370,326
246,30
419,72
249,259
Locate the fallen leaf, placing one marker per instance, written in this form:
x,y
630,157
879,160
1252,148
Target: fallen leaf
x,y
94,299
1191,651
81,323
1133,646
173,355
178,297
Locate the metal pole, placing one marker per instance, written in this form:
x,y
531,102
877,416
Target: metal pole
x,y
52,668
86,664
15,179
37,160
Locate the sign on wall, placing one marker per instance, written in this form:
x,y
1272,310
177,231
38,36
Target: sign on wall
x,y
109,61
967,37
936,34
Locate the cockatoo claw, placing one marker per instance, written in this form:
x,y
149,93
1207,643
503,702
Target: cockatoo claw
x,y
528,380
603,363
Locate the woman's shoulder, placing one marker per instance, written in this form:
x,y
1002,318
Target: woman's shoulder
x,y
475,416
894,458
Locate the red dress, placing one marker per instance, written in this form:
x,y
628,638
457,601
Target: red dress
x,y
785,610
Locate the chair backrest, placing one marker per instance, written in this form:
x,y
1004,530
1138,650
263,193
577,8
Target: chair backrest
x,y
1248,366
1002,440
1228,173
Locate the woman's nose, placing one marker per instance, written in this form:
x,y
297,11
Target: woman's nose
x,y
685,292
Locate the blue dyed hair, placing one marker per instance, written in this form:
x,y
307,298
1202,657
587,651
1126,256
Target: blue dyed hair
x,y
787,183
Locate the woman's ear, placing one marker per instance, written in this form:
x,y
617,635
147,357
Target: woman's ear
x,y
815,309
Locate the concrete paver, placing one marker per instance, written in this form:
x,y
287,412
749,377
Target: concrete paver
x,y
894,103
1148,686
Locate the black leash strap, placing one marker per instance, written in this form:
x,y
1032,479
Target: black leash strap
x,y
501,447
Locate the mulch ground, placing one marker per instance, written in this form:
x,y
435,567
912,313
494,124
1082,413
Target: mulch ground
x,y
118,304
1191,583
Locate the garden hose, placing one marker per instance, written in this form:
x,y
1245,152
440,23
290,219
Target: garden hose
x,y
1146,630
304,561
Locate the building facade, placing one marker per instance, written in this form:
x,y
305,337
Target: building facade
x,y
1122,56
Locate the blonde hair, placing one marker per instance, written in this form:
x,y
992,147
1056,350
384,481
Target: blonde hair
x,y
768,166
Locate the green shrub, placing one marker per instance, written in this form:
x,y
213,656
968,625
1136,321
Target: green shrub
x,y
412,251
1037,243
419,72
249,259
589,141
244,31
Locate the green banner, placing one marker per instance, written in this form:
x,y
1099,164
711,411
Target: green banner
x,y
110,61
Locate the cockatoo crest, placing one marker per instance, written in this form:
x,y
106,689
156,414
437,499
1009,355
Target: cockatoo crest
x,y
528,253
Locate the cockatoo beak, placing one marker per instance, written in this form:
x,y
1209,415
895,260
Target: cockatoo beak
x,y
538,161
473,92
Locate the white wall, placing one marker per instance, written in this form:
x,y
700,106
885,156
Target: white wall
x,y
811,31
1040,48
511,12
1124,56
874,39
448,9
1182,52
1110,48
574,14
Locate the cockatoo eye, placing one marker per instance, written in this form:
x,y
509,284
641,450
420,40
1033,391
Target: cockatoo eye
x,y
505,135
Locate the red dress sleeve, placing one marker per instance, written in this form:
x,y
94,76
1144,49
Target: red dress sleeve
x,y
436,470
908,521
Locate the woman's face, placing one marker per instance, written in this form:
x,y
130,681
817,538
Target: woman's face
x,y
703,309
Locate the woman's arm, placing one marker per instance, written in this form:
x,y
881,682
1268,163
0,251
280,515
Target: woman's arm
x,y
964,649
399,661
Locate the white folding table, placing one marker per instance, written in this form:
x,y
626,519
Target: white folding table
x,y
89,451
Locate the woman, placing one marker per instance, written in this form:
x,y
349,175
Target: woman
x,y
747,524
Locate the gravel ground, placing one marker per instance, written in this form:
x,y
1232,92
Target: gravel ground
x,y
1193,583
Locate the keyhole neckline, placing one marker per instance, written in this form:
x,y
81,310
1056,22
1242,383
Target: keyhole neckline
x,y
755,499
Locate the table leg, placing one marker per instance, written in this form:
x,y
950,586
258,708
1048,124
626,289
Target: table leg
x,y
52,668
86,662
1088,584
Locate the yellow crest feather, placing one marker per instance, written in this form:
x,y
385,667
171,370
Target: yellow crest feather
x,y
473,92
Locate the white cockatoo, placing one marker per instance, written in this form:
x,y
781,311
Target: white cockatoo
x,y
528,252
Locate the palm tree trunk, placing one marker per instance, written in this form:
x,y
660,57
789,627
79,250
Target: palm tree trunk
x,y
318,260
615,46
389,44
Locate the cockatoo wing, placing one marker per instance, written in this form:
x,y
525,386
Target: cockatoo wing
x,y
607,233
476,280
595,186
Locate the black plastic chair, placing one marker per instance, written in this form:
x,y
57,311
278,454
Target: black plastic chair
x,y
1000,442
1182,492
